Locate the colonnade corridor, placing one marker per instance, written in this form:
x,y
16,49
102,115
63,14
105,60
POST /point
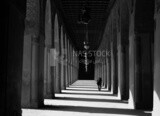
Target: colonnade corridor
x,y
82,98
54,51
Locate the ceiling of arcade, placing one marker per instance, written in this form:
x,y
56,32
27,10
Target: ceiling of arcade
x,y
82,15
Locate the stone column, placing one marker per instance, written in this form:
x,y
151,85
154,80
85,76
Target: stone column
x,y
57,75
57,55
65,61
105,73
41,70
114,67
143,72
74,66
102,72
33,66
33,60
115,90
157,65
47,73
26,77
62,60
52,71
68,63
124,89
109,73
71,64
37,72
69,58
12,26
48,43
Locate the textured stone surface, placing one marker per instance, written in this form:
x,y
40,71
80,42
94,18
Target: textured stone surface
x,y
32,22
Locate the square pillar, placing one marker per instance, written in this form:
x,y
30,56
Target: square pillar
x,y
143,72
109,73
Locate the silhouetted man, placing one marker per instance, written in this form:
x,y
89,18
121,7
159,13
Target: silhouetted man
x,y
99,83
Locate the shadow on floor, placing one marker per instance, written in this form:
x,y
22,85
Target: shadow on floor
x,y
97,110
87,87
86,90
91,100
88,94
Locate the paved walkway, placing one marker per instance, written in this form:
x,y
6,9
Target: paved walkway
x,y
82,98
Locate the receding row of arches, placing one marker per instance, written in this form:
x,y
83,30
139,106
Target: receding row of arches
x,y
49,63
38,56
41,55
128,70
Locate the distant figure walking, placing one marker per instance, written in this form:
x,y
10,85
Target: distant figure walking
x,y
99,83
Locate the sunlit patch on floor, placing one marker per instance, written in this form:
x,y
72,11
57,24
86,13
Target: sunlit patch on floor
x,y
83,99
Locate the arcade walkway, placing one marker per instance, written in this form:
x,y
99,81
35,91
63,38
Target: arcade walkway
x,y
83,99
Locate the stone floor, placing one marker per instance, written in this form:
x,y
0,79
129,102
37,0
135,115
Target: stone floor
x,y
83,99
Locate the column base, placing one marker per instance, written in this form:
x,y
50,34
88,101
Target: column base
x,y
36,104
13,112
48,96
124,98
143,106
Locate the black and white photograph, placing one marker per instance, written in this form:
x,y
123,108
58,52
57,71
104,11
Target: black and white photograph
x,y
80,58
